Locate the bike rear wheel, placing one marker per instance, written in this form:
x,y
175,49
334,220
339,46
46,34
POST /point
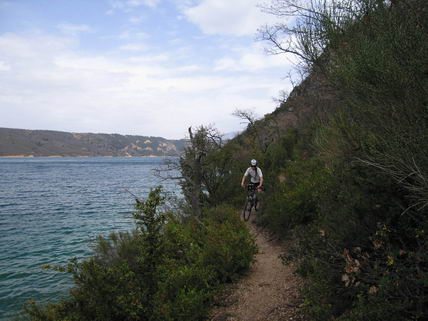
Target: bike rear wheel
x,y
246,212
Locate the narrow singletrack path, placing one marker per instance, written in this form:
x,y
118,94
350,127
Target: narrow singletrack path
x,y
269,292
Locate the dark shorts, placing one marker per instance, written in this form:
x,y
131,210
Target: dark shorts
x,y
253,186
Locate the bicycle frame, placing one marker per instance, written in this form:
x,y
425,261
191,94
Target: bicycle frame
x,y
252,191
250,201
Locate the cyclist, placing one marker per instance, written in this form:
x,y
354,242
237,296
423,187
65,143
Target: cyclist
x,y
256,175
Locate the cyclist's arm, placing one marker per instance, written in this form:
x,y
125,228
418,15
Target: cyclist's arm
x,y
261,177
244,178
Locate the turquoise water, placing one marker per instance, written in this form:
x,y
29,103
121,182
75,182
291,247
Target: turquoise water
x,y
51,209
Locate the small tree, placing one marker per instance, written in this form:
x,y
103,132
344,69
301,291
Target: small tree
x,y
200,168
310,27
248,116
150,224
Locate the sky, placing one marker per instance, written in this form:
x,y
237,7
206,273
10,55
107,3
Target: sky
x,y
137,67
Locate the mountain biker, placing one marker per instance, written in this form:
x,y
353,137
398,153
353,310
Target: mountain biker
x,y
256,175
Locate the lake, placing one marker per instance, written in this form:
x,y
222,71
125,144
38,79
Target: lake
x,y
51,210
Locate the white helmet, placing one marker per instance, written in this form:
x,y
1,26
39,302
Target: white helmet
x,y
253,162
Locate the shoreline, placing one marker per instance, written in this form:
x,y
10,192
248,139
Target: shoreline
x,y
82,156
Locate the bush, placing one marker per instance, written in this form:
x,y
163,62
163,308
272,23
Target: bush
x,y
294,199
357,207
165,270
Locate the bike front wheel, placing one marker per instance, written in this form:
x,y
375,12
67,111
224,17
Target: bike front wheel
x,y
247,209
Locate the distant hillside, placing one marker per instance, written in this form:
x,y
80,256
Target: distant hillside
x,y
20,142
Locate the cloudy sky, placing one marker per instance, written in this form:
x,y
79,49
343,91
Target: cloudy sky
x,y
143,67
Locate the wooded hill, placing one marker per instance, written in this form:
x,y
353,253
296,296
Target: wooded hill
x,y
344,158
20,142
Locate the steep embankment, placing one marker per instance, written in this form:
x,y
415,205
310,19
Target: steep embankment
x,y
270,291
20,142
347,180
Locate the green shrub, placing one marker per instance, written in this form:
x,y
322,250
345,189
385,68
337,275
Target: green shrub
x,y
294,199
165,270
360,240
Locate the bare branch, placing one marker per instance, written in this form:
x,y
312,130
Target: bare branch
x,y
247,115
407,174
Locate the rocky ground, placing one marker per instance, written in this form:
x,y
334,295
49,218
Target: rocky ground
x,y
269,292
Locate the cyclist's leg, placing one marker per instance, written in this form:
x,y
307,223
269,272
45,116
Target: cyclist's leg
x,y
256,199
246,210
251,189
249,202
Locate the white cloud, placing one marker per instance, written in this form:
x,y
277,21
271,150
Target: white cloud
x,y
4,66
133,47
117,4
253,59
237,17
73,29
135,20
130,5
13,46
137,3
149,59
128,34
51,85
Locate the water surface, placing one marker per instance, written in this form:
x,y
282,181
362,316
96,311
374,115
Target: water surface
x,y
51,209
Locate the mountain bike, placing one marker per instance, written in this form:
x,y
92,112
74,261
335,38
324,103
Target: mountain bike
x,y
250,201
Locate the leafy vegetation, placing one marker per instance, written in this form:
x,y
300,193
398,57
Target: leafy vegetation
x,y
348,185
165,270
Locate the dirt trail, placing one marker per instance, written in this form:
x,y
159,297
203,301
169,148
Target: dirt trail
x,y
268,293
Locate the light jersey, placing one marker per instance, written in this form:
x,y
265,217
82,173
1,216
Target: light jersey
x,y
254,174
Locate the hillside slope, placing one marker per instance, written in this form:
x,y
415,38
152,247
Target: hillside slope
x,y
345,166
20,142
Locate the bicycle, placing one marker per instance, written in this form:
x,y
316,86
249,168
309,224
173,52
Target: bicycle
x,y
250,201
